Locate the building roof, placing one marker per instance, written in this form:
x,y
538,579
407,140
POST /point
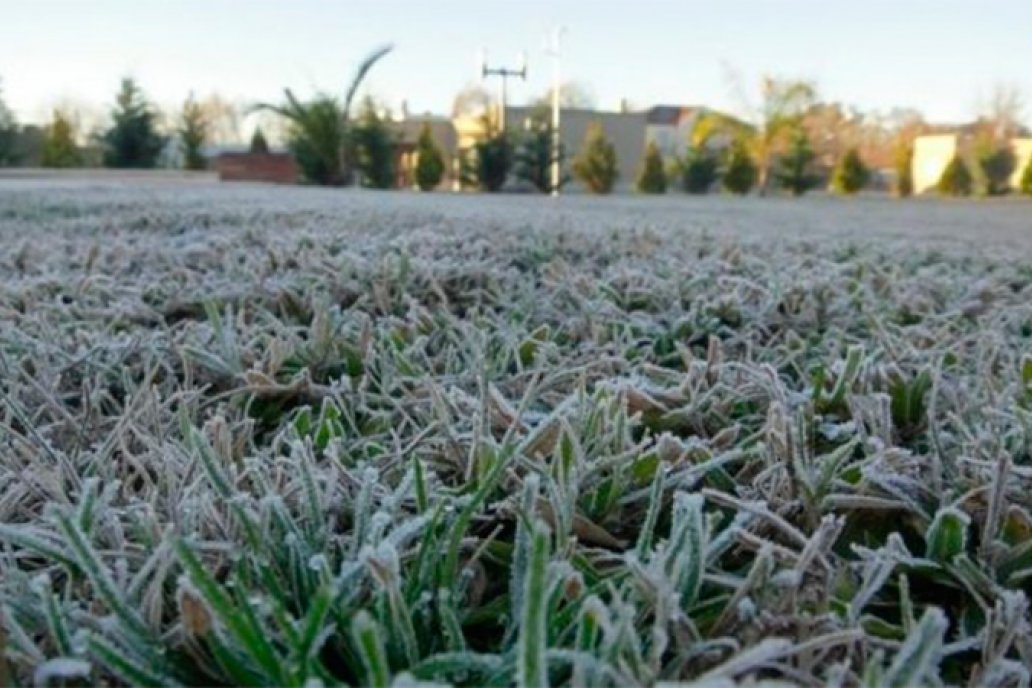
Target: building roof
x,y
669,114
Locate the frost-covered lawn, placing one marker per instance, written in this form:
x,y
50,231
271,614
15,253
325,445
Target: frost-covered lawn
x,y
256,435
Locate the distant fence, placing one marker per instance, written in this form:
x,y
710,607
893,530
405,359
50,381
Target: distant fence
x,y
278,168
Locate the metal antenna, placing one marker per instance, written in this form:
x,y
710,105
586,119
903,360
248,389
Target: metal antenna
x,y
504,73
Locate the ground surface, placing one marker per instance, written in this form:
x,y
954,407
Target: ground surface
x,y
264,435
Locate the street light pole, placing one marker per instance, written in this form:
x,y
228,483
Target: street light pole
x,y
504,73
556,52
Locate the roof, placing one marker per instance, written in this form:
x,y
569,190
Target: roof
x,y
669,114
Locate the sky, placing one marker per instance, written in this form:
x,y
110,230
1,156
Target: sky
x,y
943,57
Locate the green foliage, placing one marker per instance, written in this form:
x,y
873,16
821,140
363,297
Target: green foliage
x,y
259,144
374,145
1026,179
739,171
59,146
795,171
850,174
956,179
595,165
133,140
318,136
489,163
904,164
320,131
652,177
429,161
996,165
533,157
699,170
8,134
193,134
392,458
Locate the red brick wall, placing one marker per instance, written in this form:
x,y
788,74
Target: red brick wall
x,y
277,168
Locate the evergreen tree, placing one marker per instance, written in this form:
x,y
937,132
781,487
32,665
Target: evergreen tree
x,y
59,148
699,170
740,171
850,173
429,161
259,146
193,134
652,177
489,164
1026,179
996,165
596,165
956,178
533,157
133,140
8,135
374,147
904,170
794,171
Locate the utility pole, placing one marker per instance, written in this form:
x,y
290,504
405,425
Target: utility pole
x,y
556,52
503,72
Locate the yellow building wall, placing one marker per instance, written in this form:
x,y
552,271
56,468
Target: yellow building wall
x,y
1022,156
931,155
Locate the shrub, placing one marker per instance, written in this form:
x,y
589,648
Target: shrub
x,y
596,165
996,164
699,170
740,171
59,148
259,145
794,167
8,135
904,163
374,147
193,134
133,140
490,163
652,177
1026,178
534,156
956,178
850,174
429,161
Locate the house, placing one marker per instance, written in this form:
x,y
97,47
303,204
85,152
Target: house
x,y
933,152
625,130
444,134
670,128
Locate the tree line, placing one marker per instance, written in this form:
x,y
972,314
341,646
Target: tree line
x,y
790,142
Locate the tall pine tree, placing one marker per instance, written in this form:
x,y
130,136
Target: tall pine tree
x,y
429,161
133,140
850,173
193,134
652,177
794,171
595,165
740,172
534,155
374,147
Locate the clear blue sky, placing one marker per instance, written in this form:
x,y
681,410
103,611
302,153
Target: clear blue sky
x,y
940,56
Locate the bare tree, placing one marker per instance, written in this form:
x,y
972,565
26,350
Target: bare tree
x,y
572,94
472,101
1003,114
783,102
